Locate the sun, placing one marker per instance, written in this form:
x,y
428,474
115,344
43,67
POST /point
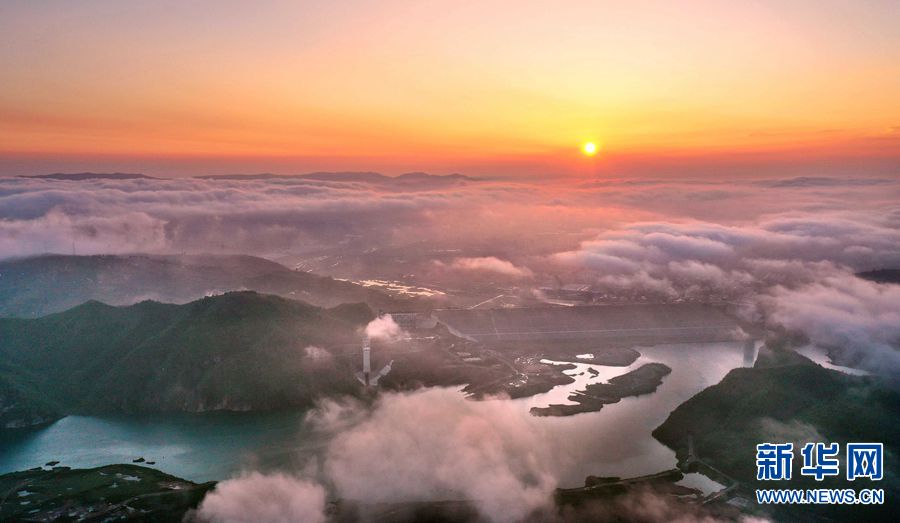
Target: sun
x,y
589,149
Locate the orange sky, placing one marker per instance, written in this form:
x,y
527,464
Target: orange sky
x,y
483,87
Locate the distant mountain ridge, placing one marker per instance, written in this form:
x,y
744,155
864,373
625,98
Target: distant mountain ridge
x,y
236,351
325,176
348,176
90,176
35,286
881,275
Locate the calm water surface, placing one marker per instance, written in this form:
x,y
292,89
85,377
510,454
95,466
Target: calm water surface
x,y
199,447
616,441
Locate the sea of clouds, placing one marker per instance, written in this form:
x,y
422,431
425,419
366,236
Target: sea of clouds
x,y
787,249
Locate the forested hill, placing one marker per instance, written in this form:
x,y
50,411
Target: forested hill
x,y
237,351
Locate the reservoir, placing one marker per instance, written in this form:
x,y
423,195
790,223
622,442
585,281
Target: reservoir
x,y
615,441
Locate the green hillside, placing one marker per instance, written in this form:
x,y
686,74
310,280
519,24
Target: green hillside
x,y
237,351
787,398
21,403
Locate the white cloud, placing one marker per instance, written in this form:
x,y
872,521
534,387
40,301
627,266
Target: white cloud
x,y
491,264
264,498
425,445
384,328
317,354
435,445
858,317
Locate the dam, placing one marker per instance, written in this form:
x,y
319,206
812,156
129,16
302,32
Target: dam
x,y
631,323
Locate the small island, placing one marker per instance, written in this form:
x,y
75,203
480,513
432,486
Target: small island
x,y
643,380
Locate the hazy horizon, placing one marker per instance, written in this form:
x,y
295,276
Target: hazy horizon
x,y
214,87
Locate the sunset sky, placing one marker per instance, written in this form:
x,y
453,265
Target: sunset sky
x,y
484,87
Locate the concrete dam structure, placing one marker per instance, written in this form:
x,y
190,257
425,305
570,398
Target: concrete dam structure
x,y
633,323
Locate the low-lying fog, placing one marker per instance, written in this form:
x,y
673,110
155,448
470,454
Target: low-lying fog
x,y
784,248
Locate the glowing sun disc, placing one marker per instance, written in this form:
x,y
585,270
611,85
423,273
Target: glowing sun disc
x,y
589,149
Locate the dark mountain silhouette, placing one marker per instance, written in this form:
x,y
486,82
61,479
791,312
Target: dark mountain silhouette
x,y
237,351
35,286
91,176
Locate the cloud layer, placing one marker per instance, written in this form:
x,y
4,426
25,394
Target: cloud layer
x,y
383,328
687,258
782,247
860,319
502,219
491,264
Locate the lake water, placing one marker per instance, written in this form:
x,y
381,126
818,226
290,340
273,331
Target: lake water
x,y
615,441
198,447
